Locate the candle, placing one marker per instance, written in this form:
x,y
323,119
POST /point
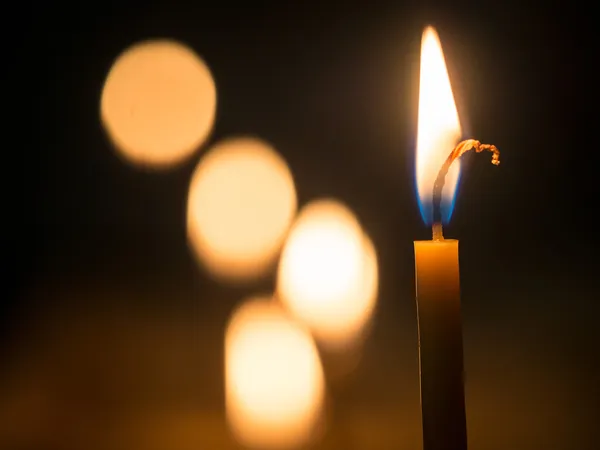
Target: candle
x,y
437,260
440,345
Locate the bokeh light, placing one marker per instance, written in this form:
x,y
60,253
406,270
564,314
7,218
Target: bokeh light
x,y
241,203
158,103
328,273
274,383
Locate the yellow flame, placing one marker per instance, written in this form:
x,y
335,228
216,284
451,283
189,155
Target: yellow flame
x,y
241,202
439,127
274,382
328,273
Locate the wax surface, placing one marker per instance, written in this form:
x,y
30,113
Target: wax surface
x,y
440,345
436,264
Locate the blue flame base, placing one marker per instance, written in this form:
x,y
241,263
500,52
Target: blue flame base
x,y
426,208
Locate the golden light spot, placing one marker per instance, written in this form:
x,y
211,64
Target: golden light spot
x,y
158,103
328,273
274,383
241,202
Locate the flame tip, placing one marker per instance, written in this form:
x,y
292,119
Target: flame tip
x,y
430,32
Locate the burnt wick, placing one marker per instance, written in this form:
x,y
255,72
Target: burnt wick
x,y
438,186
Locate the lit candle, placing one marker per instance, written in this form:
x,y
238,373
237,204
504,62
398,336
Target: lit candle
x,y
436,261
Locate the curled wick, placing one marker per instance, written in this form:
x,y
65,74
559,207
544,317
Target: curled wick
x,y
438,186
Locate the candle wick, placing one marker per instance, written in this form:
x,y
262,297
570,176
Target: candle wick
x,y
438,234
438,186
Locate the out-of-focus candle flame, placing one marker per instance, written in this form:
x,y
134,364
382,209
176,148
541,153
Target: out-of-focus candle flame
x,y
274,382
241,202
158,103
328,273
439,128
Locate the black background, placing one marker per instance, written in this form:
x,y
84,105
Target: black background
x,y
334,87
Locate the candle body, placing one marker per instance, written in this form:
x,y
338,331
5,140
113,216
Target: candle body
x,y
440,345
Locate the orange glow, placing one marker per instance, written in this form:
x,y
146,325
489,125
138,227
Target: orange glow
x,y
439,127
158,103
274,383
240,205
328,273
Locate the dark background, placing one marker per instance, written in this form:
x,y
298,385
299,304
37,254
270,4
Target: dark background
x,y
105,315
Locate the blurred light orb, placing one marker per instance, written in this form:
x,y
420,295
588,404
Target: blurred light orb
x,y
241,203
274,382
328,273
158,103
367,295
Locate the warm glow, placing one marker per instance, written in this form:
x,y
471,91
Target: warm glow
x,y
241,202
274,383
328,273
158,103
438,130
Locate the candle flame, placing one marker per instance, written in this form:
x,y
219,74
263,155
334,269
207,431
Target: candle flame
x,y
439,128
274,381
241,202
328,274
158,103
